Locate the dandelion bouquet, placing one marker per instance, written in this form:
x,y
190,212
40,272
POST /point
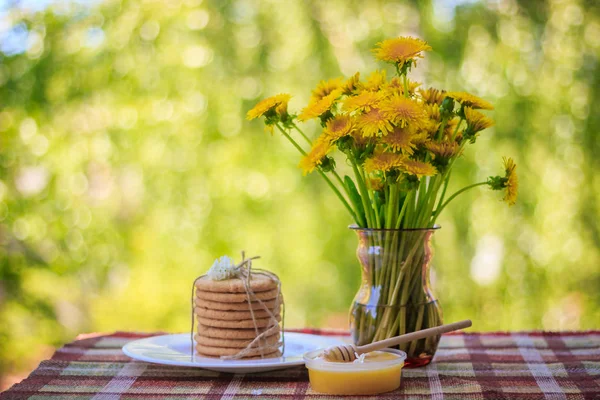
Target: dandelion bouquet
x,y
401,142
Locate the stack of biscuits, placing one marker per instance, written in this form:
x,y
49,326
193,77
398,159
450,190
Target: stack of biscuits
x,y
232,316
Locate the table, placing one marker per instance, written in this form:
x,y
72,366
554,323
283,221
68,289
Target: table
x,y
524,365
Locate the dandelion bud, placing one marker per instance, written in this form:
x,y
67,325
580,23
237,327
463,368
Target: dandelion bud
x,y
447,105
327,164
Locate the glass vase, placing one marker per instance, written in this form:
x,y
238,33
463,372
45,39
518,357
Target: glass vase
x,y
395,295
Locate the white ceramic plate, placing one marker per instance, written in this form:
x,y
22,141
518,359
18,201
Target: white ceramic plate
x,y
175,350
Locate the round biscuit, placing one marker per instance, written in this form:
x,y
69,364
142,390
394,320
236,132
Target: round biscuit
x,y
215,305
227,333
275,354
226,351
258,283
235,343
241,324
233,315
236,297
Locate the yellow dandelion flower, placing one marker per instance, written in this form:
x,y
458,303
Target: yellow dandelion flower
x,y
433,95
338,127
403,111
433,111
351,84
476,120
324,88
509,182
359,139
373,122
401,50
469,100
418,168
400,139
396,86
412,86
512,181
443,150
376,184
451,128
420,139
433,122
281,109
276,104
321,147
376,81
364,101
383,161
316,108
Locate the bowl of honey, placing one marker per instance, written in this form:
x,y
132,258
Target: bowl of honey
x,y
372,373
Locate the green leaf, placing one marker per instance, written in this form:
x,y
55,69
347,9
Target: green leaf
x,y
356,200
379,205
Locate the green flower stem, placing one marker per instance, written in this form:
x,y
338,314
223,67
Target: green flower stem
x,y
391,265
413,275
406,272
373,202
339,195
288,137
412,221
439,209
388,254
404,267
364,195
440,132
339,179
432,204
390,206
446,180
331,185
399,201
391,239
422,201
417,205
456,129
413,344
402,211
405,82
426,207
371,197
386,267
396,274
410,200
302,133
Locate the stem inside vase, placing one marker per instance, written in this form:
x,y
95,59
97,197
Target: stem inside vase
x,y
395,296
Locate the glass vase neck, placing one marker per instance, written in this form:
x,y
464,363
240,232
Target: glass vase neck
x,y
359,229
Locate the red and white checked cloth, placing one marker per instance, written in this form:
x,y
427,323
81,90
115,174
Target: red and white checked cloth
x,y
524,365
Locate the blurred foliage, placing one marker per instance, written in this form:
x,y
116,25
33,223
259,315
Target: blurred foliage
x,y
126,165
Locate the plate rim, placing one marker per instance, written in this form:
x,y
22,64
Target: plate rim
x,y
224,364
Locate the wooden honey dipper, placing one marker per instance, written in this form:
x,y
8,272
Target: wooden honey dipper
x,y
350,352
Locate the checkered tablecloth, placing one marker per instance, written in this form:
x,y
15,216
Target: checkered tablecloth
x,y
528,365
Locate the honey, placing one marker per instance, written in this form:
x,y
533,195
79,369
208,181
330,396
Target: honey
x,y
376,372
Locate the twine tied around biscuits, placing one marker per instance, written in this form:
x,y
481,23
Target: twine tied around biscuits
x,y
244,272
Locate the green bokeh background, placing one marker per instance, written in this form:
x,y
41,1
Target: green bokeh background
x,y
127,165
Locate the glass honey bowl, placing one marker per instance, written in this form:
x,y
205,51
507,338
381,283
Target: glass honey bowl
x,y
378,372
